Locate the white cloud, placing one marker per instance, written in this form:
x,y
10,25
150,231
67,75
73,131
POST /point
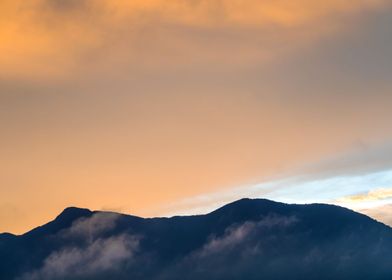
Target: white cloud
x,y
235,235
91,227
97,255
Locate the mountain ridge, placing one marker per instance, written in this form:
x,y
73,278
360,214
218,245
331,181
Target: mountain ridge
x,y
245,239
78,212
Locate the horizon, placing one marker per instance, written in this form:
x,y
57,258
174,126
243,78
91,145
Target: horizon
x,y
208,212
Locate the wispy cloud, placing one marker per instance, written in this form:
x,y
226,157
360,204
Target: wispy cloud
x,y
91,227
100,256
381,213
319,185
239,234
99,253
372,195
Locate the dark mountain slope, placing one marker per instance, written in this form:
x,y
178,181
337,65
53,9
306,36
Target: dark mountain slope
x,y
246,239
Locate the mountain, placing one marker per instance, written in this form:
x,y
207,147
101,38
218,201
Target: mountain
x,y
246,239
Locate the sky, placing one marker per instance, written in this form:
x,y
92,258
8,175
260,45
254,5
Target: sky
x,y
158,108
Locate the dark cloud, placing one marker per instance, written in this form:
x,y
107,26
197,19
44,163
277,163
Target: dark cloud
x,y
361,159
67,5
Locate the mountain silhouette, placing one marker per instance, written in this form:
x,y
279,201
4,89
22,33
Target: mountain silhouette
x,y
246,239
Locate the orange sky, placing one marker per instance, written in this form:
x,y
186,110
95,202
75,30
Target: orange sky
x,y
136,105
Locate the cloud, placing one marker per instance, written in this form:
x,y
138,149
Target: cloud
x,y
121,256
233,237
355,171
92,227
375,203
381,213
121,99
228,255
99,256
272,246
360,159
97,252
237,235
52,39
372,195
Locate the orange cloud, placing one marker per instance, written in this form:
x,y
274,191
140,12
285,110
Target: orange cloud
x,y
381,213
42,38
373,195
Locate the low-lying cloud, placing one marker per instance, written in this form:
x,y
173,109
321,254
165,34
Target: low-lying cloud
x,y
272,246
96,254
92,227
102,255
239,234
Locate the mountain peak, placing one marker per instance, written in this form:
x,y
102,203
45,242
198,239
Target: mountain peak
x,y
64,220
70,214
248,205
74,212
6,235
